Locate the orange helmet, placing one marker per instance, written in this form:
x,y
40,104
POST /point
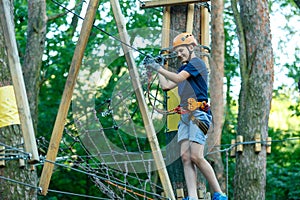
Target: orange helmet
x,y
184,39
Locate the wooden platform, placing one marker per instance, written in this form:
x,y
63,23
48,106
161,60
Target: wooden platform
x,y
159,3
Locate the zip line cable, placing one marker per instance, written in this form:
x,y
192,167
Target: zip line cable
x,y
103,31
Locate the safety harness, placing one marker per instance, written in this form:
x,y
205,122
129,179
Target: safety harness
x,y
192,106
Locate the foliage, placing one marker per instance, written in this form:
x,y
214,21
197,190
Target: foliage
x,y
282,166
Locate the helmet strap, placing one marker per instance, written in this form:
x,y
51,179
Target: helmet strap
x,y
190,52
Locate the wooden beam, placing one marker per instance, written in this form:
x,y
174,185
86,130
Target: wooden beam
x,y
134,75
159,3
165,38
190,18
172,120
205,26
205,33
67,95
18,82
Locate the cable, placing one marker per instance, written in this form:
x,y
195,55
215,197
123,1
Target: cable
x,y
101,178
55,191
103,31
75,194
263,142
20,183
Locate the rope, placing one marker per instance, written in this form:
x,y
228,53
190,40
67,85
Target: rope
x,y
128,190
101,178
56,191
103,31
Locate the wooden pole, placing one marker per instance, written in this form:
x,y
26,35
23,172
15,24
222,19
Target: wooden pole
x,y
134,75
190,18
165,38
172,100
18,82
204,26
205,32
67,95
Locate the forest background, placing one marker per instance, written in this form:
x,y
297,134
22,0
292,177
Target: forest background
x,y
62,33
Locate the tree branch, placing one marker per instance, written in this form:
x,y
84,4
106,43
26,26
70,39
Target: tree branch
x,y
53,17
242,40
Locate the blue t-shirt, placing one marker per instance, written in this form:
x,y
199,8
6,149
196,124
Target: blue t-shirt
x,y
196,86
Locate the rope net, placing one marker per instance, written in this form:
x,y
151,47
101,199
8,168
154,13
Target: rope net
x,y
104,135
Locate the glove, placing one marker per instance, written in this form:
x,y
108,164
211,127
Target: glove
x,y
151,62
154,66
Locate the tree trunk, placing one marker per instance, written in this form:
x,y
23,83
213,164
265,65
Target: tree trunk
x,y
256,63
216,88
12,135
36,32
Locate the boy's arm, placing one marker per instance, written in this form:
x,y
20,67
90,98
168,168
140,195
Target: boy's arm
x,y
165,83
167,79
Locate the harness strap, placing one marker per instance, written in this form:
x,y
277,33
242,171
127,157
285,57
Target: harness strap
x,y
200,124
193,104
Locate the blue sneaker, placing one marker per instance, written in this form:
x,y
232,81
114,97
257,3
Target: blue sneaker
x,y
219,196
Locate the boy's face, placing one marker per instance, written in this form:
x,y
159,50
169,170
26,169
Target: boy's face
x,y
183,53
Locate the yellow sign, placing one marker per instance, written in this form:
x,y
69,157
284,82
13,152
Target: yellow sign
x,y
172,102
9,114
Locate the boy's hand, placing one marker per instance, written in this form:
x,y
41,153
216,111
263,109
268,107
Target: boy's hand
x,y
155,66
152,63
